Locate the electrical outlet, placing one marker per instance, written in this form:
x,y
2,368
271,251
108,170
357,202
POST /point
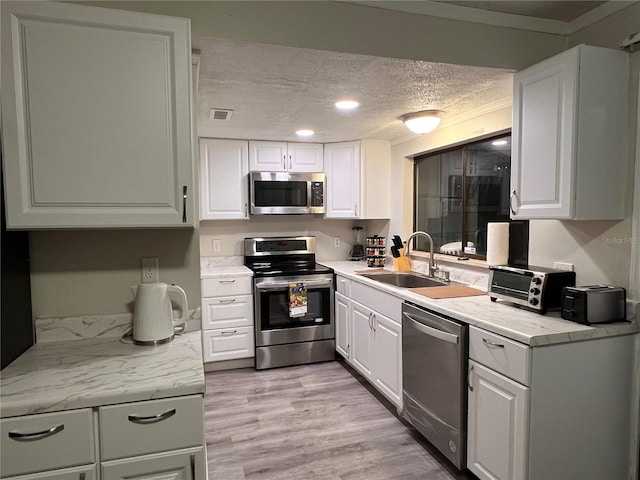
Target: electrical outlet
x,y
336,242
563,266
149,267
215,244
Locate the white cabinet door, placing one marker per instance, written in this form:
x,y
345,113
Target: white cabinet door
x,y
387,346
285,157
342,168
267,156
497,425
178,465
343,324
224,188
362,339
305,157
97,124
228,343
569,132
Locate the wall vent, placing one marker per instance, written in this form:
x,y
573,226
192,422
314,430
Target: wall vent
x,y
220,114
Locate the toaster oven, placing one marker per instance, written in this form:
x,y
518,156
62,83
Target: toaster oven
x,y
536,288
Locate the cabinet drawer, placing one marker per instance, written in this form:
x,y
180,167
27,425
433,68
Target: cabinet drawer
x,y
224,312
227,344
343,286
86,472
34,443
222,286
510,358
384,303
148,427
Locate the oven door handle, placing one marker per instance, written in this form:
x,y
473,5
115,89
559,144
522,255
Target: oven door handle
x,y
285,285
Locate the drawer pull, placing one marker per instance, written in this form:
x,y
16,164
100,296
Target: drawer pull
x,y
229,333
25,437
227,300
152,418
227,282
493,344
469,379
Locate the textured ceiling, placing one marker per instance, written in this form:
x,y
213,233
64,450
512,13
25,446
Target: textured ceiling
x,y
275,90
565,11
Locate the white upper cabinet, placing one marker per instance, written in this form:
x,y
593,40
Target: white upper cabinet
x,y
358,179
285,157
569,136
224,188
97,119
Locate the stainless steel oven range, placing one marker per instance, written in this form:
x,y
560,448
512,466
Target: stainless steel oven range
x,y
284,337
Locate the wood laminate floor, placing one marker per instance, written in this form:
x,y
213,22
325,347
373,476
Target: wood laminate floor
x,y
318,421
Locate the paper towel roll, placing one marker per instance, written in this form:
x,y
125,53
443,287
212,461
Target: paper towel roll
x,y
497,243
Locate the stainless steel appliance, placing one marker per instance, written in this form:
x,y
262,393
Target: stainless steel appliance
x,y
536,288
594,304
282,339
434,364
274,193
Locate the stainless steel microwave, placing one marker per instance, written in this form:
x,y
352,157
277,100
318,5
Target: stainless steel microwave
x,y
284,193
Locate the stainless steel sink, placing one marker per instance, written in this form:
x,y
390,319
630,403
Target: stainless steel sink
x,y
404,279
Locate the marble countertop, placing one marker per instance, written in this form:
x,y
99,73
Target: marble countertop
x,y
54,376
498,317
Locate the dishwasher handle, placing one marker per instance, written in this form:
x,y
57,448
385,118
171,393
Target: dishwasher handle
x,y
432,332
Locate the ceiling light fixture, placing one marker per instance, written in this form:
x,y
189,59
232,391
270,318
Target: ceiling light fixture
x,y
423,121
305,132
497,143
347,104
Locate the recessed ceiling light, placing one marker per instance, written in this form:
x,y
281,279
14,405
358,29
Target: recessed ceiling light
x,y
305,132
347,104
497,143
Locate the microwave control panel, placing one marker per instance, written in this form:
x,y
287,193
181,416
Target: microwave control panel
x,y
317,194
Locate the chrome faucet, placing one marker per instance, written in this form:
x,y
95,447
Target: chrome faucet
x,y
433,268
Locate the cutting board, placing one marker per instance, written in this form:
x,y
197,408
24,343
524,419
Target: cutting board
x,y
448,291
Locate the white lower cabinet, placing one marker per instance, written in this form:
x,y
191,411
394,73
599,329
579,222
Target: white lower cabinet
x,y
227,318
140,440
551,412
343,321
496,425
369,336
183,465
41,444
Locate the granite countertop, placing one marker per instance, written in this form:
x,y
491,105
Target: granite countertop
x,y
54,376
217,267
498,317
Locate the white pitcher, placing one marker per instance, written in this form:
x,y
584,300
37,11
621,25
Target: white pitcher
x,y
153,322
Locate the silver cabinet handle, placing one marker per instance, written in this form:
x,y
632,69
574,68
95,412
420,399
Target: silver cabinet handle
x,y
290,163
226,282
284,162
193,466
184,204
152,418
228,333
493,344
356,209
83,476
469,378
25,437
513,195
227,300
246,209
373,321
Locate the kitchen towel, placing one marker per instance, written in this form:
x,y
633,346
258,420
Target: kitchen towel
x,y
497,243
297,299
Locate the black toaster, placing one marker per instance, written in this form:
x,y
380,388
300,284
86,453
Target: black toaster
x,y
594,304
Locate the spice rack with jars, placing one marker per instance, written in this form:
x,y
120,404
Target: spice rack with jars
x,y
375,251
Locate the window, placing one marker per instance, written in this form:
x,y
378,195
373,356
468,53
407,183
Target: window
x,y
458,191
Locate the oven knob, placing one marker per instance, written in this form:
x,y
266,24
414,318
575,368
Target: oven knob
x,y
536,281
535,291
534,301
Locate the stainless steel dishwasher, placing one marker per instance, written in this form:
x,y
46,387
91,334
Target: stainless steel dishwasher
x,y
434,378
